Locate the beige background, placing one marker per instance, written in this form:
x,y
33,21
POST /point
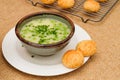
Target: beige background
x,y
104,65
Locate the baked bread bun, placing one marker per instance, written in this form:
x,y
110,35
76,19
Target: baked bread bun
x,y
91,6
88,47
73,59
65,4
48,1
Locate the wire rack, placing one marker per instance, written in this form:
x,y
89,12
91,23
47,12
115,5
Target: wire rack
x,y
78,10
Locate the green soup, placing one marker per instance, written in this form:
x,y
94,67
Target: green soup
x,y
45,31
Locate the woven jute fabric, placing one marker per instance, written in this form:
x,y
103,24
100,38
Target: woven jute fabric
x,y
104,65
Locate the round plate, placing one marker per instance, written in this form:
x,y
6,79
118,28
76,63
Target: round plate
x,y
19,58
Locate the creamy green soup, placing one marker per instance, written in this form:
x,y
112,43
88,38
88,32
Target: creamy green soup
x,y
45,31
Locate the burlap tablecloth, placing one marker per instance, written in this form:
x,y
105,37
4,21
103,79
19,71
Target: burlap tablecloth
x,y
104,65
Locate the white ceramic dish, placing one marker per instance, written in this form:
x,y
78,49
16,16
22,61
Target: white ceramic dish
x,y
19,58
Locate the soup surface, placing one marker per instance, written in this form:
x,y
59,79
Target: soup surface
x,y
45,31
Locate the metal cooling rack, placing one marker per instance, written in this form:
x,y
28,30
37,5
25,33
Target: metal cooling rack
x,y
78,10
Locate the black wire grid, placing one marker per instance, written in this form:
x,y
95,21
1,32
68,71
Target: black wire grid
x,y
78,10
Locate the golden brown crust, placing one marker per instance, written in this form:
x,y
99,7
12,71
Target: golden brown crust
x,y
72,59
88,47
48,1
91,6
64,4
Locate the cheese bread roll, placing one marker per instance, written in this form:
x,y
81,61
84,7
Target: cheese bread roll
x,y
88,47
64,4
91,6
72,59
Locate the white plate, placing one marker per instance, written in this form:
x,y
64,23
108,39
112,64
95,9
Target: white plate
x,y
19,58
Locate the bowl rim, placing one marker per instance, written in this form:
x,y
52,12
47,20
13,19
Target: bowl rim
x,y
44,45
